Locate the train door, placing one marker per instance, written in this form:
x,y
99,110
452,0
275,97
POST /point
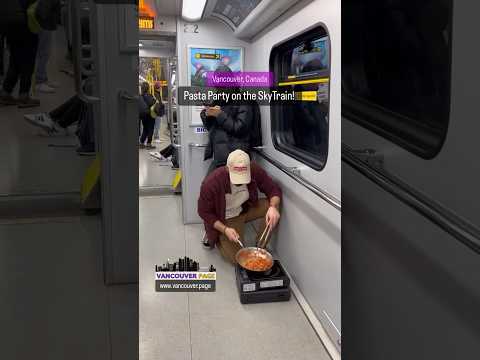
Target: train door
x,y
158,156
113,51
155,171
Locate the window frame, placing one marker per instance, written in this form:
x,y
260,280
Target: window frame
x,y
278,132
407,132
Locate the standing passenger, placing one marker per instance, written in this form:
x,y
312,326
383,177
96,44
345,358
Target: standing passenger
x,y
20,22
22,44
43,83
229,128
148,121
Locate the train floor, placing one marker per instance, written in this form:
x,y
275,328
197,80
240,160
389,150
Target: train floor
x,y
209,326
154,173
30,161
54,304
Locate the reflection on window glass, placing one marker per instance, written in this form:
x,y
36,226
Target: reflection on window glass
x,y
306,124
396,69
301,129
311,56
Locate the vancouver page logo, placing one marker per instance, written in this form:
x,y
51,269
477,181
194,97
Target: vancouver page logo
x,y
184,275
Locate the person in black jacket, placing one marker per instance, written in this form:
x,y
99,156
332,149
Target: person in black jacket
x,y
229,128
22,43
148,121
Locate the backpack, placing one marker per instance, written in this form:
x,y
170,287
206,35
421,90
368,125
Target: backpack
x,y
256,131
159,109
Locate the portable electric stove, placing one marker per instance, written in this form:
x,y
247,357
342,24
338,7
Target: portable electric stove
x,y
270,286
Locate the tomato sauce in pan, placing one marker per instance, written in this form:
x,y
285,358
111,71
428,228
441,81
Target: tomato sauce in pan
x,y
257,264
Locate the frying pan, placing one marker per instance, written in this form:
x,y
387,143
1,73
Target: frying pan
x,y
246,255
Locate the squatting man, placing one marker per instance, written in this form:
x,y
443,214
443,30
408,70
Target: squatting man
x,y
229,199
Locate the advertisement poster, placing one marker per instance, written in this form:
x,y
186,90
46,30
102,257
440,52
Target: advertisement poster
x,y
202,60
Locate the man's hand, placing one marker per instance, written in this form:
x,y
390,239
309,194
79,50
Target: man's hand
x,y
272,217
213,111
232,234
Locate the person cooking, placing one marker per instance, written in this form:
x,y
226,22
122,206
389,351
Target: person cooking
x,y
229,199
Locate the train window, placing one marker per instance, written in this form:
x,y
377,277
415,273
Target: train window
x,y
396,58
301,129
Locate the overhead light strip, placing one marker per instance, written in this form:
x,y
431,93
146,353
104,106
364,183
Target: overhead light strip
x,y
192,10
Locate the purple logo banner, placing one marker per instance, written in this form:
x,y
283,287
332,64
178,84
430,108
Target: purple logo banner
x,y
239,79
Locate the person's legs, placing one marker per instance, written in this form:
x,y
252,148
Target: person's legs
x,y
13,71
227,248
29,52
150,129
27,67
71,113
163,130
59,118
43,55
167,152
73,103
158,121
65,14
144,136
86,131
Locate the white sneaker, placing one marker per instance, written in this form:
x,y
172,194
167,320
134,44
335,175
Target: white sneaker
x,y
45,122
158,156
44,88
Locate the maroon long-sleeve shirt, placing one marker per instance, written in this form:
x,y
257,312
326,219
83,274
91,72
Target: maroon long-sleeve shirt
x,y
212,204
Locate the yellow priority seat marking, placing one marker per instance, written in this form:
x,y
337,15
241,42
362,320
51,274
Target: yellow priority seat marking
x,y
177,179
91,178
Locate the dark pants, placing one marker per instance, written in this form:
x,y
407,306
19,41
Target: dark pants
x,y
170,151
86,126
23,52
148,127
229,249
69,112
